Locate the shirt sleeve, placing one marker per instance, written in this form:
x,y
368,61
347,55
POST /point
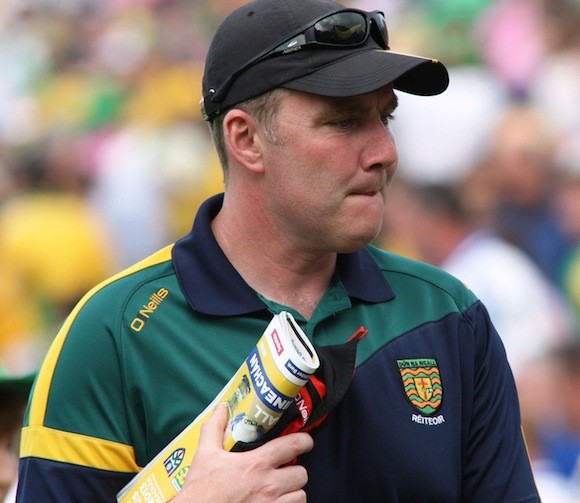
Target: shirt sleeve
x,y
76,438
497,466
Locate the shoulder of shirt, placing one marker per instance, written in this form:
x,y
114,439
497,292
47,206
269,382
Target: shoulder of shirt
x,y
114,290
398,268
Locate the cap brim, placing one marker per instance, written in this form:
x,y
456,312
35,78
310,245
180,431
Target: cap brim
x,y
367,71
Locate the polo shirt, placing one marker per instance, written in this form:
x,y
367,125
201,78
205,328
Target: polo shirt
x,y
431,413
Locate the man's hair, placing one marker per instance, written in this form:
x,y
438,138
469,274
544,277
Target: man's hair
x,y
264,109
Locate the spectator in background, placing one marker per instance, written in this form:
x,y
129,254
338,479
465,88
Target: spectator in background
x,y
14,390
53,245
521,161
557,422
553,486
526,308
556,83
21,321
568,206
511,42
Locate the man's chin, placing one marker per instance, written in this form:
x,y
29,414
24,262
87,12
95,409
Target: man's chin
x,y
358,242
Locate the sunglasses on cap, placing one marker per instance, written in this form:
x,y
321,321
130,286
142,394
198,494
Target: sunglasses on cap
x,y
347,28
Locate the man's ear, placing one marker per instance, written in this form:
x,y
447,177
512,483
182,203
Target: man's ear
x,y
242,139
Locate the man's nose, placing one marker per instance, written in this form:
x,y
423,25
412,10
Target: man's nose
x,y
380,151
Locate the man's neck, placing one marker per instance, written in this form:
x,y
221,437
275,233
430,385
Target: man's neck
x,y
272,265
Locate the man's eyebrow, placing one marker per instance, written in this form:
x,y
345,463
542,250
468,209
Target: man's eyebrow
x,y
352,105
342,106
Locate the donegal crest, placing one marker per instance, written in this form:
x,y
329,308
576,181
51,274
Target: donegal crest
x,y
422,383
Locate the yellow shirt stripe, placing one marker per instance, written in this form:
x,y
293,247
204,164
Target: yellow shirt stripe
x,y
47,443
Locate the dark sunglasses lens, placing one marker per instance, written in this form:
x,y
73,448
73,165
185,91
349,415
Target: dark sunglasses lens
x,y
379,28
342,28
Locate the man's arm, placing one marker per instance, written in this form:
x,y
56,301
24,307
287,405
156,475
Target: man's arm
x,y
496,463
215,476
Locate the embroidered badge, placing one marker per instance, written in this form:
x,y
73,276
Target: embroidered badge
x,y
422,384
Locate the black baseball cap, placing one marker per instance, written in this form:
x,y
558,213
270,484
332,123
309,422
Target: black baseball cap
x,y
304,45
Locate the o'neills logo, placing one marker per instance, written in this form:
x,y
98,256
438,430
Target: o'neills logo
x,y
148,309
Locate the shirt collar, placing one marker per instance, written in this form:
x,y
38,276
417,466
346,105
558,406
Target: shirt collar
x,y
212,285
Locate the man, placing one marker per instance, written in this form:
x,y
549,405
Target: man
x,y
299,94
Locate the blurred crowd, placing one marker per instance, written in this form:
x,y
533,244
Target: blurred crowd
x,y
104,159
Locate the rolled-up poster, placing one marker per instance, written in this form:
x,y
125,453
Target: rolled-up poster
x,y
256,396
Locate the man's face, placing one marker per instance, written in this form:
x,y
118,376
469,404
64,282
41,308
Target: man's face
x,y
326,176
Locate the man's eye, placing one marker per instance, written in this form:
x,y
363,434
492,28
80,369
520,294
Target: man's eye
x,y
345,123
